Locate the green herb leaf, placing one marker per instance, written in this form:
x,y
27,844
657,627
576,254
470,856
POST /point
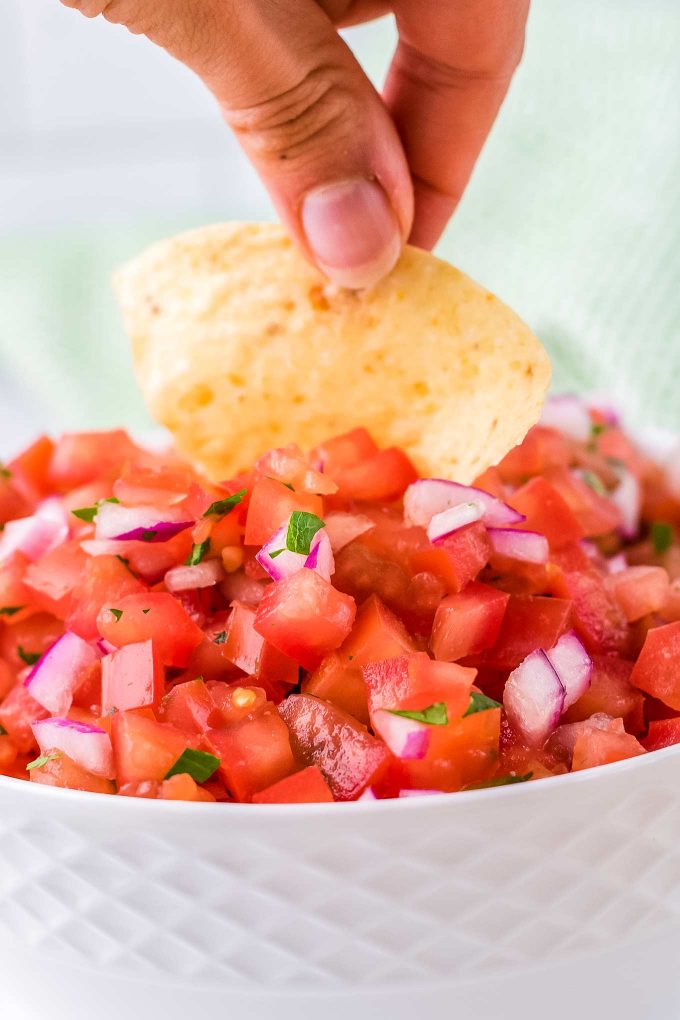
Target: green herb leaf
x,y
220,638
10,610
661,534
509,780
30,658
597,428
148,536
198,552
3,731
433,715
302,528
88,513
480,703
117,613
42,760
198,764
222,507
277,552
594,482
287,484
4,472
145,611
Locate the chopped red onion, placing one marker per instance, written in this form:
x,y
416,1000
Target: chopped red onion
x,y
406,738
456,517
534,698
568,414
280,564
573,666
138,523
202,575
616,564
626,496
38,534
238,587
320,556
343,528
57,674
368,794
529,546
88,746
429,496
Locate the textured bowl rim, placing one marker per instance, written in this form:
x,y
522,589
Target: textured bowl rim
x,y
599,773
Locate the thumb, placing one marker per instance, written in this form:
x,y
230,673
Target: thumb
x,y
305,114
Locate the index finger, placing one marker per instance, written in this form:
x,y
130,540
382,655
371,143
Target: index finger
x,y
449,76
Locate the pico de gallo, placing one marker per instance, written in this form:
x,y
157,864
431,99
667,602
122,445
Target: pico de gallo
x,y
328,626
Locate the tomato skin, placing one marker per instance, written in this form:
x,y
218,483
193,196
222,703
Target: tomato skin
x,y
530,622
611,693
82,457
132,677
144,749
305,617
656,670
350,759
167,624
17,711
254,753
271,504
305,787
469,622
458,558
640,590
662,733
603,747
105,581
53,578
546,511
67,774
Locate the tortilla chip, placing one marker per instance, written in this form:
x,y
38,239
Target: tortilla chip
x,y
240,346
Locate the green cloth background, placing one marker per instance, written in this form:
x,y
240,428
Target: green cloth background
x,y
573,218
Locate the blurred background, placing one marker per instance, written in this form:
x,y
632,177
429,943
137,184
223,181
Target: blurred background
x,y
573,216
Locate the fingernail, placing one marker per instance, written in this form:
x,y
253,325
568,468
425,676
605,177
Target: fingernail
x,y
352,231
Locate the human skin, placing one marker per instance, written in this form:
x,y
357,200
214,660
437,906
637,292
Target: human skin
x,y
353,174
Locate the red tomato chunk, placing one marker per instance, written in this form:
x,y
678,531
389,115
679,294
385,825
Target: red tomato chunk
x,y
361,659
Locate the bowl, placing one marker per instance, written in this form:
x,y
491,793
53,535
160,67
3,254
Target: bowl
x,y
557,898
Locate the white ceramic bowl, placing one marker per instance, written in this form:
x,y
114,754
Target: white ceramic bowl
x,y
557,899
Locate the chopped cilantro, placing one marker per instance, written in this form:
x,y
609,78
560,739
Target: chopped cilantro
x,y
277,552
480,703
88,513
661,534
10,610
30,658
287,484
117,613
198,552
302,528
3,731
42,760
4,472
198,764
433,715
224,506
220,638
594,482
148,536
508,780
597,428
145,611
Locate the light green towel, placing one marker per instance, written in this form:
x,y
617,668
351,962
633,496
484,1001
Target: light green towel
x,y
573,218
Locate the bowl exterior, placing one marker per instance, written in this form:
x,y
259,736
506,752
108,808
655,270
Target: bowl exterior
x,y
118,906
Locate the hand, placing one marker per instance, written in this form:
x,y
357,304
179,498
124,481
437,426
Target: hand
x,y
352,175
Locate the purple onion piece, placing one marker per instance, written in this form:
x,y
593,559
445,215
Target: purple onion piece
x,y
430,496
528,546
573,666
534,698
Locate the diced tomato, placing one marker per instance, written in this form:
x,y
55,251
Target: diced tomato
x,y
596,514
603,747
546,511
88,694
81,457
616,445
105,581
271,504
17,711
190,707
376,634
65,773
530,622
247,649
611,693
339,681
152,485
53,578
662,733
8,753
27,639
640,590
350,759
235,702
460,754
151,560
468,623
305,617
386,476
656,671
414,682
30,469
7,679
183,787
254,753
542,448
132,677
598,618
145,749
491,481
14,595
155,616
12,502
345,451
305,787
458,558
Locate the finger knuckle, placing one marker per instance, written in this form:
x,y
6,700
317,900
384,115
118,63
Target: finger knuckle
x,y
289,126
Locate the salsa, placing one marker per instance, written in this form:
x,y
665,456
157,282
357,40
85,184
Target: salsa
x,y
328,626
